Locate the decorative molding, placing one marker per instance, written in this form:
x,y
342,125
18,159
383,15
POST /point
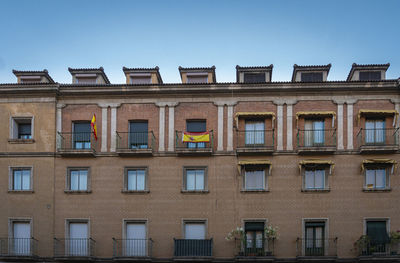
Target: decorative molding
x,y
227,103
164,104
61,105
111,105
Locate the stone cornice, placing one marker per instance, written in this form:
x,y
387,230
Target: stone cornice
x,y
227,103
169,104
111,105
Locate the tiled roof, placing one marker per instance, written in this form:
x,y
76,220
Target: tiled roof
x,y
144,70
255,67
356,66
34,72
91,70
311,68
206,69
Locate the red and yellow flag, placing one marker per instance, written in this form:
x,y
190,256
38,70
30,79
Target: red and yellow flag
x,y
94,126
196,137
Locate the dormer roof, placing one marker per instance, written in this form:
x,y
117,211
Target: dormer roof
x,y
39,74
310,68
366,67
254,69
155,70
196,70
83,71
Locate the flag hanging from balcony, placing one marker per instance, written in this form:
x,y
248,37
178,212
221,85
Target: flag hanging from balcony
x,y
94,127
196,137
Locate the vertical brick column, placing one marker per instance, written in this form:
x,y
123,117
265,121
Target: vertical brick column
x,y
350,125
171,125
340,124
279,120
229,129
113,126
161,125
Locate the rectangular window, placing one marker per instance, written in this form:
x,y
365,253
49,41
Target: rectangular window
x,y
311,77
254,77
314,133
197,78
196,126
194,179
254,232
21,179
370,75
138,134
376,178
135,243
375,131
88,80
78,242
254,179
82,135
78,179
140,79
254,133
195,230
20,243
314,179
135,179
314,238
378,235
21,128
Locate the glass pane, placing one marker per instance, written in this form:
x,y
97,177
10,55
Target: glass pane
x,y
318,237
319,179
370,178
190,179
259,239
74,180
196,126
380,132
380,178
318,132
17,179
26,179
309,179
254,180
308,133
309,237
249,239
131,180
141,178
83,180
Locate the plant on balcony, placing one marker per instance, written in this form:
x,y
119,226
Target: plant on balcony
x,y
271,232
361,245
395,242
237,235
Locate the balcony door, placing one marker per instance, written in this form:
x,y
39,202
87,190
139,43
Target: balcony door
x,y
254,238
135,242
374,131
196,126
314,133
254,133
138,135
315,239
20,242
81,135
78,239
377,232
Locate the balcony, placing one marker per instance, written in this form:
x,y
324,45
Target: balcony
x,y
193,148
315,248
132,249
18,248
80,249
260,250
372,249
72,144
135,143
378,140
200,249
255,142
316,141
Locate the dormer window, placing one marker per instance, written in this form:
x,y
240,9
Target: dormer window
x,y
254,77
30,79
370,75
86,79
197,78
89,76
311,77
255,74
28,76
140,78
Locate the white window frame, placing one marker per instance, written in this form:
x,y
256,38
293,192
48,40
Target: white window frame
x,y
387,177
14,121
11,170
327,173
13,220
266,170
195,221
146,176
68,180
205,183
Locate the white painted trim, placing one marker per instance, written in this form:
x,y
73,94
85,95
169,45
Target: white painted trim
x,y
12,220
366,219
220,146
126,221
104,115
76,220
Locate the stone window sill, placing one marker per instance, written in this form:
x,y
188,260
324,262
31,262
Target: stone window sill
x,y
376,190
254,191
195,191
326,190
21,141
77,192
20,191
135,191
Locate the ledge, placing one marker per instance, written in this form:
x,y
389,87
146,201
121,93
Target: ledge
x,y
254,191
327,190
77,192
135,191
21,141
195,192
21,191
376,190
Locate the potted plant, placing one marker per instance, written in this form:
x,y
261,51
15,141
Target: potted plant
x,y
395,242
270,233
237,235
362,244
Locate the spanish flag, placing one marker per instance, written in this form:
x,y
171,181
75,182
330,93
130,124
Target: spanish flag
x,y
94,127
196,137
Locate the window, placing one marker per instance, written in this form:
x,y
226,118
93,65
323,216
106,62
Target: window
x,y
314,178
197,78
86,80
195,230
376,178
135,242
21,128
21,179
20,241
78,179
30,79
254,178
196,126
254,133
376,230
254,77
138,134
77,243
314,238
135,179
311,77
375,131
82,135
370,75
195,179
141,79
314,133
254,232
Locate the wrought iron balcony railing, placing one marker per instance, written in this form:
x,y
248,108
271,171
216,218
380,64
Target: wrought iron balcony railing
x,y
378,138
316,139
255,140
74,247
18,247
193,147
378,248
316,247
136,141
76,142
255,248
132,248
193,247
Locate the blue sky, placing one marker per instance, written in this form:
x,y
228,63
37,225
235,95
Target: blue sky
x,y
59,34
